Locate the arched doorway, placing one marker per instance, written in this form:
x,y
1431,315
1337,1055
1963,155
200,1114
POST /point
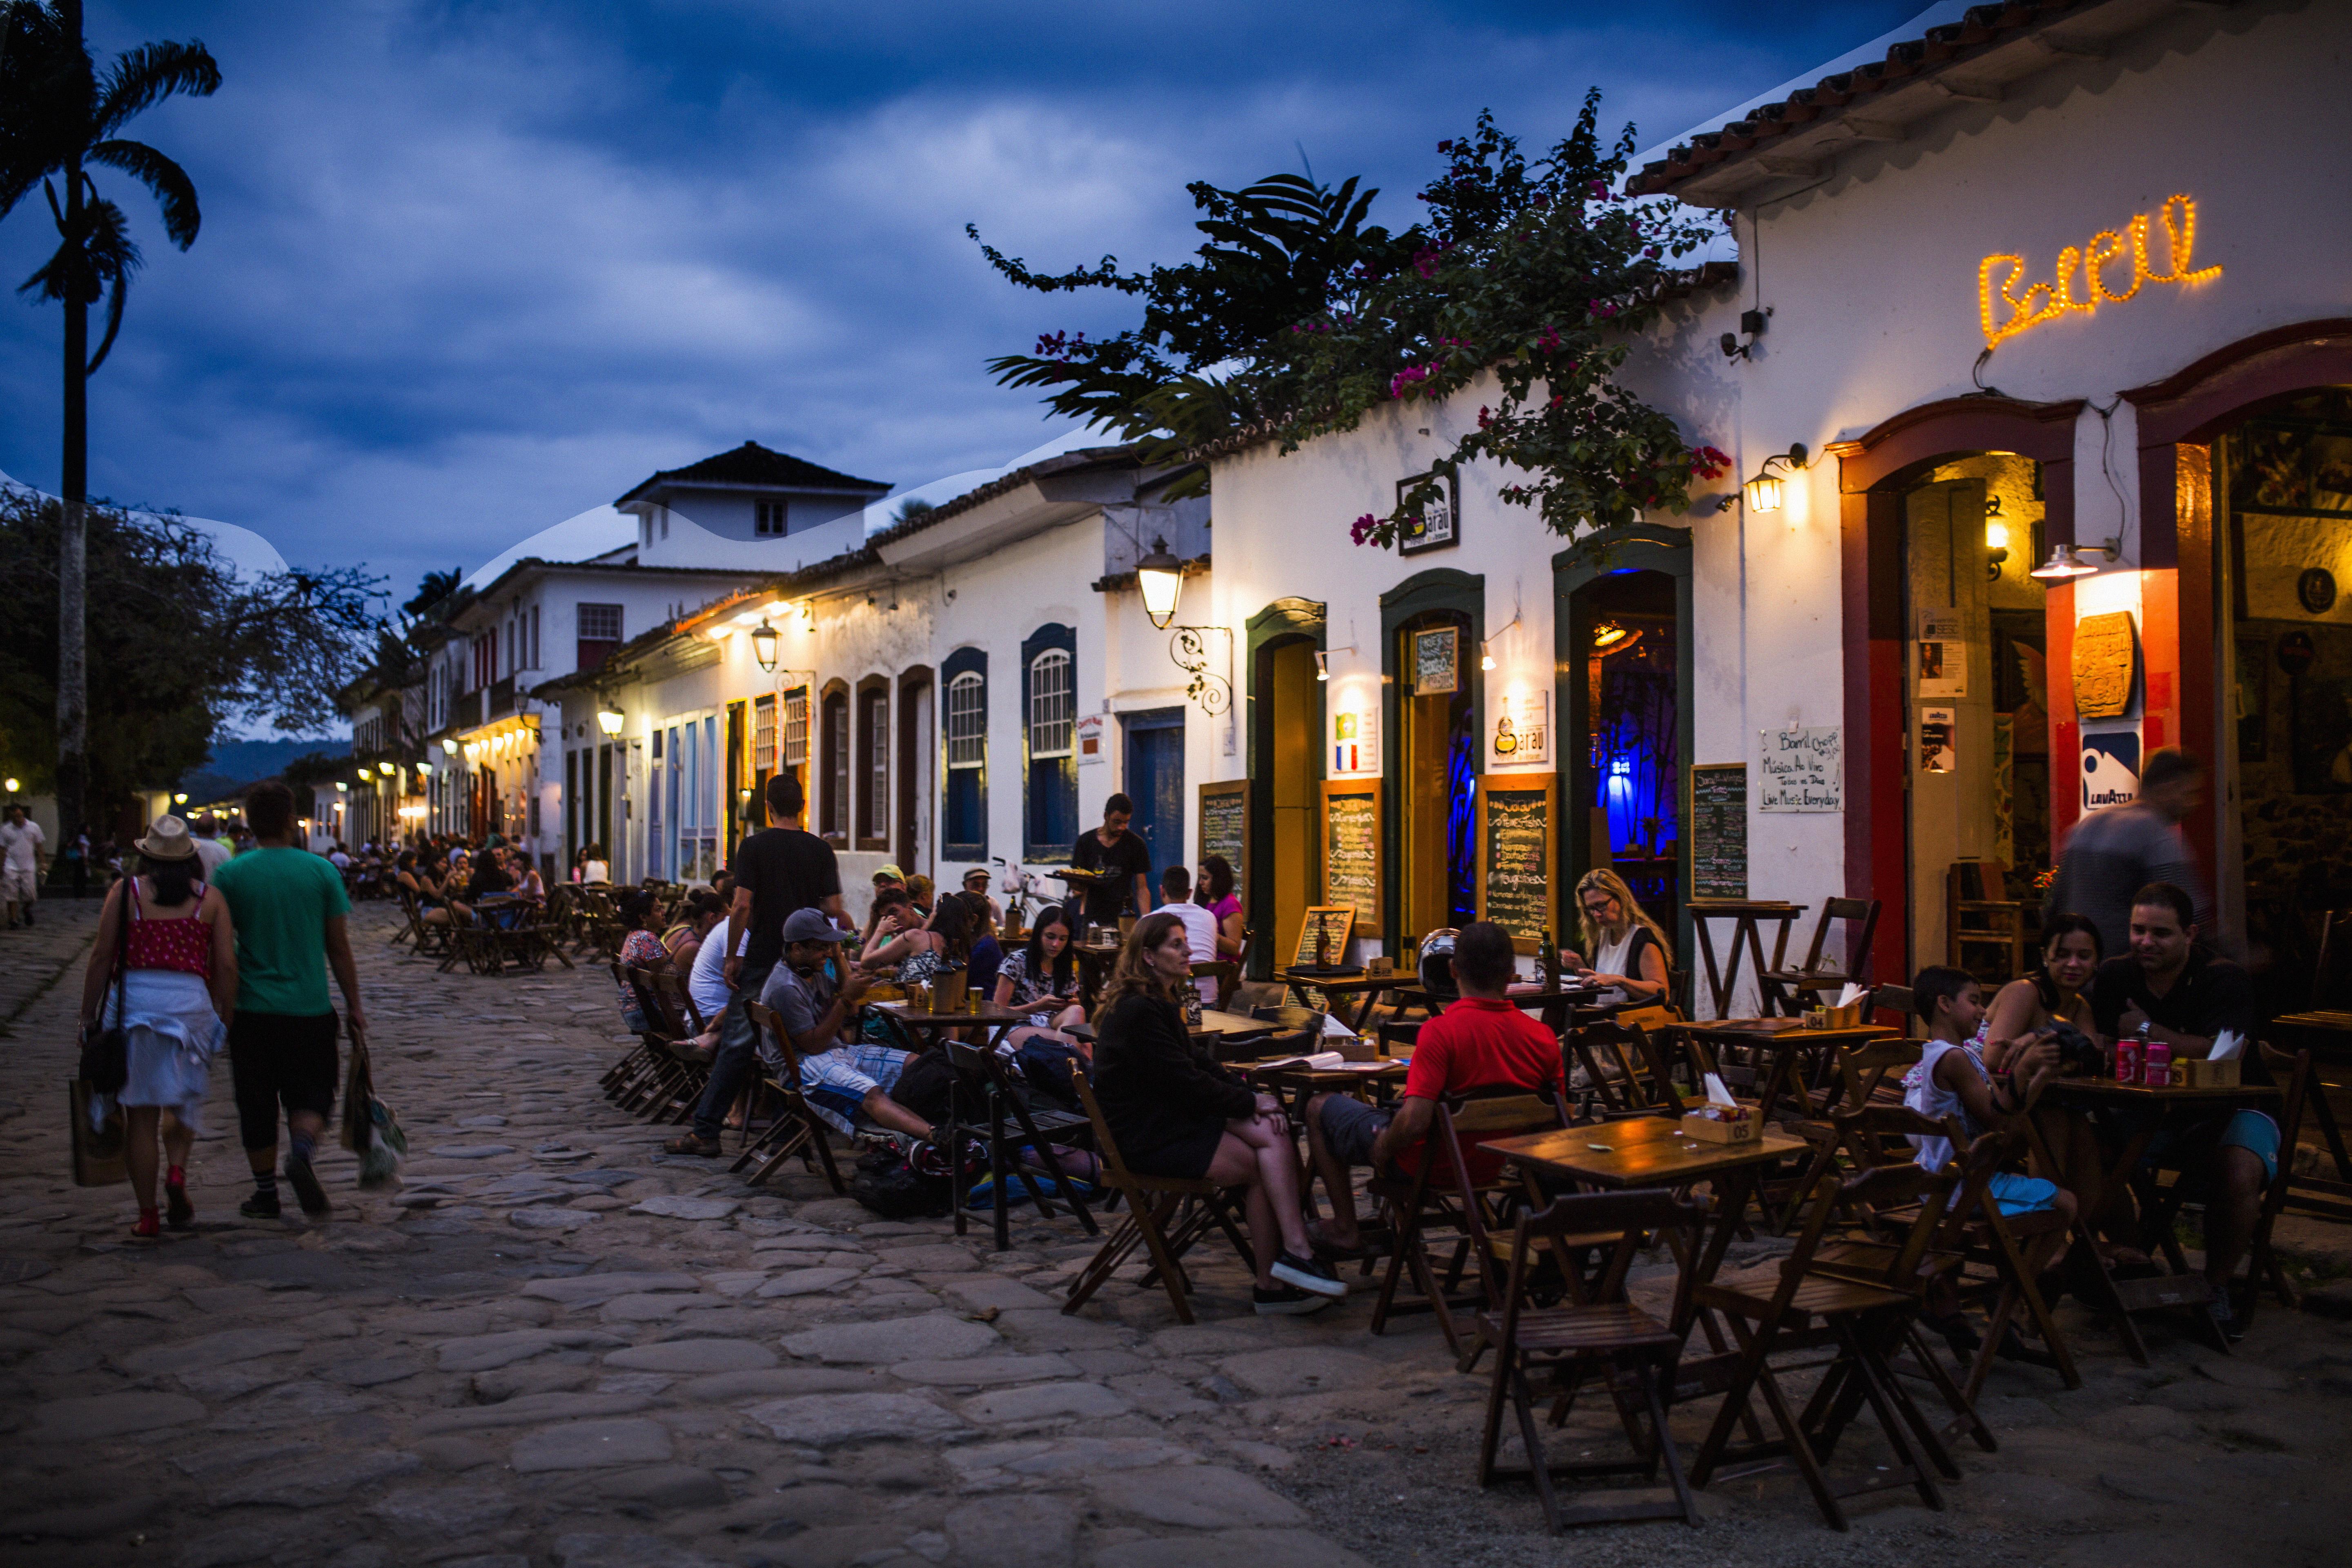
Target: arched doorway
x,y
2246,525
1286,765
1942,508
1431,751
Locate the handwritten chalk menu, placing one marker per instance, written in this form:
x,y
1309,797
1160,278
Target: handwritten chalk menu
x,y
1351,850
1718,818
1800,770
1436,661
1224,827
1517,829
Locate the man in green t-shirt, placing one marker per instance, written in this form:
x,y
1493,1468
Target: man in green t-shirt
x,y
290,906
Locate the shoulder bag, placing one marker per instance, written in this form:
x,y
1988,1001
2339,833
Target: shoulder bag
x,y
105,1047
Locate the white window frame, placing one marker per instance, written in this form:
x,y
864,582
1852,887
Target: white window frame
x,y
1053,704
968,721
795,728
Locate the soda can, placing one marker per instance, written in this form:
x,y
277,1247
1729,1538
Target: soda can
x,y
2128,1065
2156,1070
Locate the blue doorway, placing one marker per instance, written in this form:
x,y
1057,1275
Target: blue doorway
x,y
1155,781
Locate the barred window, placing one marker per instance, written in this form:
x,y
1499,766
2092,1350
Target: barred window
x,y
1051,709
600,623
763,734
967,721
796,727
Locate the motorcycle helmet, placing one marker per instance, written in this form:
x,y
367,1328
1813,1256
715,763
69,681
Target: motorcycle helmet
x,y
1435,962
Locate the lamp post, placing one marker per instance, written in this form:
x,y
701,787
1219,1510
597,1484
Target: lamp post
x,y
1161,577
1763,491
763,647
610,720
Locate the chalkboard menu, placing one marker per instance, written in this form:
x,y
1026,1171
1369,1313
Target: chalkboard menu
x,y
1351,849
1718,831
1224,827
1323,934
1517,828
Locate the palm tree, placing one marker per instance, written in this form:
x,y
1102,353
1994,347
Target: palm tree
x,y
57,117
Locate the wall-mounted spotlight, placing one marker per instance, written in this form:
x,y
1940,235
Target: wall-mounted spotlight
x,y
2065,564
1750,322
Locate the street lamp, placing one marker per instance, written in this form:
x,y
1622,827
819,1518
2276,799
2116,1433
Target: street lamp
x,y
610,720
384,768
425,770
342,788
1763,491
180,798
1160,576
13,785
763,647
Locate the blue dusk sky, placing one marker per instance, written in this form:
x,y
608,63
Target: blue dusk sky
x,y
468,269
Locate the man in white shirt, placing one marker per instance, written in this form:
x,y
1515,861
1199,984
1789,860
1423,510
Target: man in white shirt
x,y
20,864
706,982
1200,925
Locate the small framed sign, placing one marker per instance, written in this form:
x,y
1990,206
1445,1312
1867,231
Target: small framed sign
x,y
1439,523
1436,661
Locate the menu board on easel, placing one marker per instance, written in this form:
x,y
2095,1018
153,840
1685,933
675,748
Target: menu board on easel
x,y
1323,934
1719,837
1517,826
1351,849
1225,825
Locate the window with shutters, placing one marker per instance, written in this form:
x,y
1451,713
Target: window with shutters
x,y
963,719
796,721
872,764
763,735
835,738
598,628
1049,712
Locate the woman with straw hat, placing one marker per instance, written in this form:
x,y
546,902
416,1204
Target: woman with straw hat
x,y
178,988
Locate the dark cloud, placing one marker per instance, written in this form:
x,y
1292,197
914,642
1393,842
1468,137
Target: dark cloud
x,y
468,269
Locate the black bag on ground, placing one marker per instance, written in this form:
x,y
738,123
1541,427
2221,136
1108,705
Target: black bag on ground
x,y
925,1084
892,1184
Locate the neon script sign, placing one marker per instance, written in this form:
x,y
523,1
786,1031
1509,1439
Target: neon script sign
x,y
2049,301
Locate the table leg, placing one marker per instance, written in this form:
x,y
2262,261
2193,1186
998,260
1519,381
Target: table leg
x,y
1714,987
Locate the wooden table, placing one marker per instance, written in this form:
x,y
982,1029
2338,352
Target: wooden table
x,y
1367,987
1095,959
1786,1039
929,1025
2151,1110
1652,1152
1570,1003
1746,914
2327,1035
1297,1085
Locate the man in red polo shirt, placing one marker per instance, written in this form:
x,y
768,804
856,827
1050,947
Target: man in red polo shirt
x,y
1481,1041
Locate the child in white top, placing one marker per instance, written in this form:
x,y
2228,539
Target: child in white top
x,y
1951,1080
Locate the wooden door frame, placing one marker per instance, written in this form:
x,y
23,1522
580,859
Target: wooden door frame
x,y
908,793
1439,588
1286,620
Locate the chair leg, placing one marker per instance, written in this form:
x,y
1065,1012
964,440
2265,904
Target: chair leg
x,y
1894,1411
1155,1241
1498,1391
1963,1408
1664,1440
1539,1468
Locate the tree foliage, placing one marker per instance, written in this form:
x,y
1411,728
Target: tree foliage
x,y
1298,317
179,644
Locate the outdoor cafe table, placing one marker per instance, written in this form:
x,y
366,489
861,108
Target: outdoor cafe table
x,y
1746,915
1296,1084
1095,959
1365,988
2140,1112
1654,1152
929,1025
1785,1039
1561,1007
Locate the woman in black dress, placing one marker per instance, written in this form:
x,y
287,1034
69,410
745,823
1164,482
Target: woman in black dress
x,y
1175,1112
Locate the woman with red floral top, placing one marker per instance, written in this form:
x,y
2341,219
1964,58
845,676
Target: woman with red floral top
x,y
179,987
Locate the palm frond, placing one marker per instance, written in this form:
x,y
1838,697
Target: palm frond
x,y
173,190
144,76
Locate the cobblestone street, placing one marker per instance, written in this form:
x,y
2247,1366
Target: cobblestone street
x,y
551,1344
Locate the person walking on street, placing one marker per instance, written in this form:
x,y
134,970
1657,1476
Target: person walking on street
x,y
2113,854
178,985
290,906
778,872
20,863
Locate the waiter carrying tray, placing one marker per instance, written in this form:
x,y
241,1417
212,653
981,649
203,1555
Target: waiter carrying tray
x,y
1121,863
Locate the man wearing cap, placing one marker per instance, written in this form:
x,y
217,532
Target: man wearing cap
x,y
843,1076
975,882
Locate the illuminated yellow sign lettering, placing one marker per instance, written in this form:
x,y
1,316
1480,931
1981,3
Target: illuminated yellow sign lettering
x,y
2107,250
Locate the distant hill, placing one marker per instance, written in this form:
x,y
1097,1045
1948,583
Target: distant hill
x,y
235,764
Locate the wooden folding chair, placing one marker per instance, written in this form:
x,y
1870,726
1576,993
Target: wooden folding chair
x,y
1867,1137
1785,990
1152,1202
985,1102
1447,1193
2300,1088
1793,1306
1225,972
796,1127
1599,1333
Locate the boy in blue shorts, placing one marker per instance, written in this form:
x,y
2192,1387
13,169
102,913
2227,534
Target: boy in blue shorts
x,y
1951,1080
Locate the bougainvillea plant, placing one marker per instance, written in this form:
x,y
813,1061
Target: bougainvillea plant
x,y
1298,317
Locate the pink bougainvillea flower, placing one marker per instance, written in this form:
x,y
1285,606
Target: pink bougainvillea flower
x,y
1362,529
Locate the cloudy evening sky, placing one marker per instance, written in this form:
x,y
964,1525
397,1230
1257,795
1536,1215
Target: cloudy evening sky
x,y
469,268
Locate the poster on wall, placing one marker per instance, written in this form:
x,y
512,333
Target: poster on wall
x,y
1437,661
1522,735
1943,657
1939,738
2106,665
1356,737
1090,732
2110,770
1800,770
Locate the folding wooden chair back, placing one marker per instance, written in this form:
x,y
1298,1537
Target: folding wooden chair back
x,y
1785,990
984,1101
1872,1072
796,1129
1894,999
1225,972
1599,1334
1628,1068
2300,1091
1865,1137
1796,1306
1152,1202
1451,1194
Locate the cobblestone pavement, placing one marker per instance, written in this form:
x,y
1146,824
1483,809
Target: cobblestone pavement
x,y
553,1345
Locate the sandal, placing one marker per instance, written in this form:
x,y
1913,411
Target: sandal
x,y
178,1212
149,1229
687,1143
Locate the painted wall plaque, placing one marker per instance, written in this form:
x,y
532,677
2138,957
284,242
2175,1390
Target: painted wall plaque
x,y
2106,664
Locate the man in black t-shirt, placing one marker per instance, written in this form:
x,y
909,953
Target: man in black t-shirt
x,y
2170,990
777,872
1124,860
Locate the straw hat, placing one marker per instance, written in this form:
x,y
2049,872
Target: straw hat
x,y
167,839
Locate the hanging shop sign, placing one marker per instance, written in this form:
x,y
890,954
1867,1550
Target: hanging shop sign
x,y
1523,729
1439,522
1437,661
2082,281
1090,739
